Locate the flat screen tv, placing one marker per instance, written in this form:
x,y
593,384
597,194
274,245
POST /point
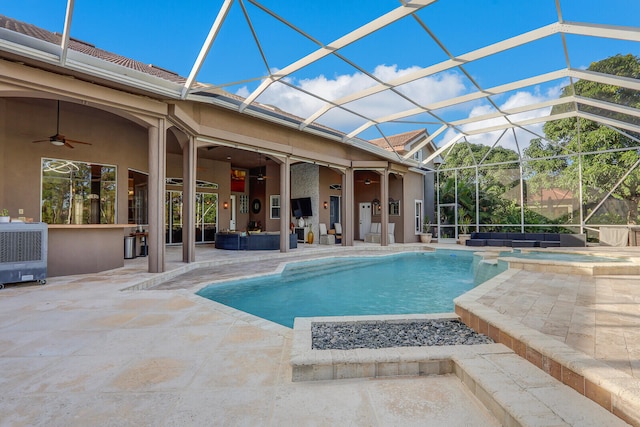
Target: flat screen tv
x,y
301,207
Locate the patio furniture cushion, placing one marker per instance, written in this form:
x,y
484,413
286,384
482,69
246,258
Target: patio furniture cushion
x,y
338,228
374,235
526,240
325,237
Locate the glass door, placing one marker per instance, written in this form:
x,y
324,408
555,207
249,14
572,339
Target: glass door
x,y
206,217
334,212
173,219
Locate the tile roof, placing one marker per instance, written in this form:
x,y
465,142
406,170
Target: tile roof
x,y
399,140
30,30
88,49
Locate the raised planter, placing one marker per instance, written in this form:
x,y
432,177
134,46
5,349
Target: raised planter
x,y
462,239
426,237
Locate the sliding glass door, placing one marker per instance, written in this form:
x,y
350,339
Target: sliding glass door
x,y
206,217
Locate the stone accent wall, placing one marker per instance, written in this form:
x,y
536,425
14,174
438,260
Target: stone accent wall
x,y
305,182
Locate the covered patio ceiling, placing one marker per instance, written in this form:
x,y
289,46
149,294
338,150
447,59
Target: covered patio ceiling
x,y
357,72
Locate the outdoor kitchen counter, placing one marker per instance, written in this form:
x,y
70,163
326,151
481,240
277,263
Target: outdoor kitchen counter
x,y
85,248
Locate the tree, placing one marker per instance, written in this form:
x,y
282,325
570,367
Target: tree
x,y
495,176
605,168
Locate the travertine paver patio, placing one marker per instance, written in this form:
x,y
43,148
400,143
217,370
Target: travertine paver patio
x,y
581,329
599,316
80,350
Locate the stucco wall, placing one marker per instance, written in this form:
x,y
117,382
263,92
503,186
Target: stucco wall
x,y
413,190
327,177
211,171
115,141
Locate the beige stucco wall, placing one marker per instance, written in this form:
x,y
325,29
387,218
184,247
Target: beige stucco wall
x,y
229,126
211,171
3,152
327,177
413,190
366,193
115,141
116,124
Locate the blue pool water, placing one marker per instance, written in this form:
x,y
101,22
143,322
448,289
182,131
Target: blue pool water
x,y
425,282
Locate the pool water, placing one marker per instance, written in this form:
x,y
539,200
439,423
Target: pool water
x,y
424,282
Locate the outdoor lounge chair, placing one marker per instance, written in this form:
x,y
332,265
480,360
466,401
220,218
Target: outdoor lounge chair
x,y
338,230
325,237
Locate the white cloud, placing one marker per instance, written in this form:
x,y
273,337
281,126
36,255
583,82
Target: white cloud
x,y
243,92
424,91
518,99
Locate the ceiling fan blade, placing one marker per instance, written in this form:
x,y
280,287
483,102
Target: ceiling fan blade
x,y
59,139
78,142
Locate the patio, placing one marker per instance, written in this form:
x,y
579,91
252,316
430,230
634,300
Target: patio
x,y
82,349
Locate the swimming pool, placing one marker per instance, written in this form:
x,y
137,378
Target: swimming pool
x,y
415,282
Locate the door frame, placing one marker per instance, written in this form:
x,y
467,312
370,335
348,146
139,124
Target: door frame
x,y
365,226
232,212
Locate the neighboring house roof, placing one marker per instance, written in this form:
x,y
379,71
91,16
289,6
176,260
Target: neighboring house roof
x,y
553,194
88,49
401,142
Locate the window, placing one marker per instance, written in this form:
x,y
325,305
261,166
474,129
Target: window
x,y
78,192
418,217
418,155
394,207
244,204
274,206
138,198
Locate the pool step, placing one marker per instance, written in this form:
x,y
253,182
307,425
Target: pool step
x,y
513,390
307,270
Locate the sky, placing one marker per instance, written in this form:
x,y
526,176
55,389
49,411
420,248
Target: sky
x,y
170,34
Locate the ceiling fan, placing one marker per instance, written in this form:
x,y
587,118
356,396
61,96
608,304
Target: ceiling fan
x,y
368,181
58,139
260,176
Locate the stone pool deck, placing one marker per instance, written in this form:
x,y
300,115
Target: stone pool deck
x,y
582,329
96,349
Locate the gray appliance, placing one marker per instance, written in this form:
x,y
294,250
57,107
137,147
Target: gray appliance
x,y
23,252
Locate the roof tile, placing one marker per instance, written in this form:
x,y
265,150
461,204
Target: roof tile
x,y
88,49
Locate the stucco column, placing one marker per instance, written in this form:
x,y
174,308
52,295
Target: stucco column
x,y
157,181
189,163
285,201
384,208
348,207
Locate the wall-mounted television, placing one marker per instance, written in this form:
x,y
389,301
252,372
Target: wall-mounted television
x,y
301,207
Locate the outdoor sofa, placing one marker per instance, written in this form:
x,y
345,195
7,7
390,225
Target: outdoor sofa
x,y
252,241
526,240
375,232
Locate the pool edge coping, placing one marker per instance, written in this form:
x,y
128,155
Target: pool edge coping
x,y
614,390
489,380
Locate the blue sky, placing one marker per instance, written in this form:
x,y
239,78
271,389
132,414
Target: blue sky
x,y
170,33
